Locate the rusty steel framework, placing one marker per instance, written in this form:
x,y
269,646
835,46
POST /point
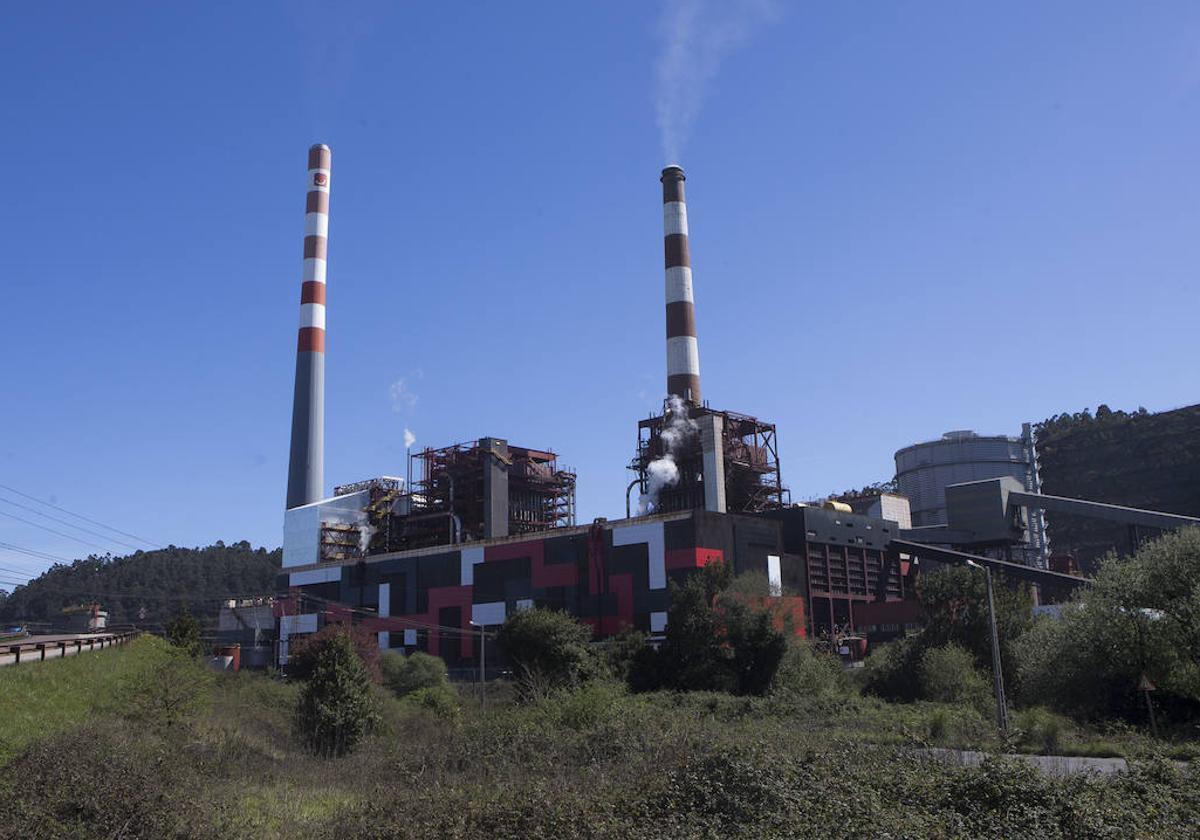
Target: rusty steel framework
x,y
751,463
451,497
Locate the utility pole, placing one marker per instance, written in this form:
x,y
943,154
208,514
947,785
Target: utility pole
x,y
997,673
482,664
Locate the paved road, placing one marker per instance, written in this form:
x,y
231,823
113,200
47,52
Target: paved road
x,y
52,648
1051,765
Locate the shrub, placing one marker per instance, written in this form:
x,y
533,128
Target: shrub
x,y
757,646
1041,729
183,631
891,670
548,650
948,675
303,655
693,657
440,699
336,709
623,651
170,688
807,672
587,707
406,674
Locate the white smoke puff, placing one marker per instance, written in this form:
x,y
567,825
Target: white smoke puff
x,y
697,36
678,428
365,532
409,438
659,474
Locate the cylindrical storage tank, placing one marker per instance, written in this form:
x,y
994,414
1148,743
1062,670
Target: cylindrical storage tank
x,y
924,470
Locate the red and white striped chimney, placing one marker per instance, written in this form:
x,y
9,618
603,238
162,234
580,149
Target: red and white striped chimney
x,y
306,467
683,354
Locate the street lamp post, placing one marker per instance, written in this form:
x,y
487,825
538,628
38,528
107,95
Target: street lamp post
x,y
997,672
482,664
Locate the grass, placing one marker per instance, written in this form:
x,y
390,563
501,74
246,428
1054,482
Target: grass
x,y
41,698
594,762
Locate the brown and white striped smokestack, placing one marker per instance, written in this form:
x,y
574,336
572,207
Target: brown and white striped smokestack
x,y
683,354
306,467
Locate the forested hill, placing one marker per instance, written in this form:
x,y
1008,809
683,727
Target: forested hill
x,y
163,582
1136,459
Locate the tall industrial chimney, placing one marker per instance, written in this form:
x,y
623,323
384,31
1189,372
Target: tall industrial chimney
x,y
683,354
306,468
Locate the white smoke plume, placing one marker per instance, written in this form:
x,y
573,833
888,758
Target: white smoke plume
x,y
697,35
409,438
365,532
677,430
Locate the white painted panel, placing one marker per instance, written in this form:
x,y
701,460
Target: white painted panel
x,y
385,600
774,576
316,224
468,557
675,218
291,625
683,355
488,614
524,604
329,575
410,638
658,622
302,526
314,269
312,315
679,284
650,533
385,640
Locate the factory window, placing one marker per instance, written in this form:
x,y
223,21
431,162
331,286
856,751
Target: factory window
x,y
812,535
869,527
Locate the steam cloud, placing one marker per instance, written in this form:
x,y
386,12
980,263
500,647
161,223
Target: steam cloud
x,y
697,35
365,532
409,438
663,472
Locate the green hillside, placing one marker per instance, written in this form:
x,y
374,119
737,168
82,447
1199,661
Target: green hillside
x,y
1136,459
162,582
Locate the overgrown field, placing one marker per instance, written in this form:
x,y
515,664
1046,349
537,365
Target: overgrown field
x,y
139,742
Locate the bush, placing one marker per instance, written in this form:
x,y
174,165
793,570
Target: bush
x,y
807,672
302,657
440,699
1041,730
948,675
406,674
623,652
891,670
183,631
170,688
336,709
548,650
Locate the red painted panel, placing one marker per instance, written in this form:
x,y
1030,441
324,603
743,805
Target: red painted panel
x,y
693,558
622,587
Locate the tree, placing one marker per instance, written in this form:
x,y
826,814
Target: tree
x,y
955,609
693,656
1141,616
548,650
949,674
184,633
758,648
336,709
302,658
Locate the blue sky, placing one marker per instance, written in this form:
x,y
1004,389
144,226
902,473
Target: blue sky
x,y
905,218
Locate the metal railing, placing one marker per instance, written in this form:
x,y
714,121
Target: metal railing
x,y
37,651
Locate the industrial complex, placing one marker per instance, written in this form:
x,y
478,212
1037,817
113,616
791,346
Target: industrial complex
x,y
480,529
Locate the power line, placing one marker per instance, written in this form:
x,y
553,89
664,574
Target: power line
x,y
69,524
41,555
52,530
81,516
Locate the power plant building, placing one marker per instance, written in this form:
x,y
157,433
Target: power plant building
x,y
487,528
